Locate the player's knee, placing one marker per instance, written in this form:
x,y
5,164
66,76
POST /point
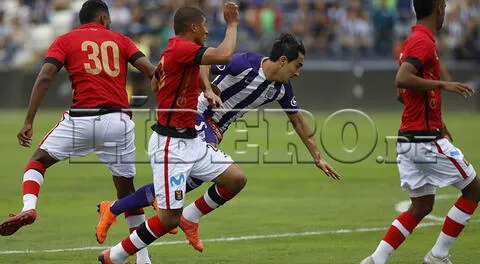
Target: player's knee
x,y
472,191
43,157
419,211
170,218
238,180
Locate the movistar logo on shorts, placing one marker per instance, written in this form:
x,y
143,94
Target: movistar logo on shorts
x,y
454,153
177,179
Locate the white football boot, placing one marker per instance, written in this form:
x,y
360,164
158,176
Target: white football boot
x,y
431,259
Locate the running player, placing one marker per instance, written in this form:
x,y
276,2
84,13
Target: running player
x,y
426,159
96,60
176,152
248,82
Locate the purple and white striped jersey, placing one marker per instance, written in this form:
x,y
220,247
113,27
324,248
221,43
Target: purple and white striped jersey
x,y
244,87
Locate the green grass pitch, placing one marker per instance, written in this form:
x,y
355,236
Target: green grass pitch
x,y
280,197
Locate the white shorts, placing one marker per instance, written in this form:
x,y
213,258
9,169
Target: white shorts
x,y
110,136
173,160
425,166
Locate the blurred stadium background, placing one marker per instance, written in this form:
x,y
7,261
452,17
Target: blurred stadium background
x,y
351,51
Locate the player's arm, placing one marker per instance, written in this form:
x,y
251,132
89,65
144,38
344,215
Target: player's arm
x,y
206,87
408,78
445,132
139,95
224,52
399,95
154,84
305,133
43,81
145,66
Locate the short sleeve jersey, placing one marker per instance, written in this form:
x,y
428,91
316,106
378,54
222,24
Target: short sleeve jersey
x,y
423,110
96,60
244,86
178,82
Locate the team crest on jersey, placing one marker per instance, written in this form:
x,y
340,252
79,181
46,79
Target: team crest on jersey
x,y
270,93
178,195
221,67
466,161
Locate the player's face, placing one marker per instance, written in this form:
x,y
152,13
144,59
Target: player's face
x,y
201,32
440,14
291,69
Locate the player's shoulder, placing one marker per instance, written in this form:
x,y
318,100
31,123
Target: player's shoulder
x,y
245,60
419,38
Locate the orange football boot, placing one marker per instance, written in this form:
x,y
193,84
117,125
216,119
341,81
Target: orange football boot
x,y
107,218
191,232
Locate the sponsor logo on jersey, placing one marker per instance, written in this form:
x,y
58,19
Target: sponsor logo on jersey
x,y
293,102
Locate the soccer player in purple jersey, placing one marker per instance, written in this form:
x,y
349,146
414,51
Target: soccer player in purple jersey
x,y
248,82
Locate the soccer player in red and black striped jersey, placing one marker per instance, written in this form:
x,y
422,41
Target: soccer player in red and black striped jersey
x,y
174,148
96,60
426,158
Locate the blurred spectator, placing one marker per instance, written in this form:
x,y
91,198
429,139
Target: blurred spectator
x,y
332,29
356,32
383,25
121,16
5,40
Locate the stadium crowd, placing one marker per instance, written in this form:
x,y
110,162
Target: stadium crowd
x,y
332,29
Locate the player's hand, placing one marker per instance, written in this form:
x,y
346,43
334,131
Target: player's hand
x,y
213,99
230,13
216,90
25,135
327,169
458,88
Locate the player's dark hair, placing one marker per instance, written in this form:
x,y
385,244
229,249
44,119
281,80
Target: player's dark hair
x,y
186,16
91,9
424,8
286,45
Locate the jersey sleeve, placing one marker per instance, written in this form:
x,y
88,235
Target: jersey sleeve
x,y
131,50
419,53
239,63
220,69
57,52
189,53
289,102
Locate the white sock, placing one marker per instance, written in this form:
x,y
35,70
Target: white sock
x,y
383,251
191,213
29,202
117,254
134,221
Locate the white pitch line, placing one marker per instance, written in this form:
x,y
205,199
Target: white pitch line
x,y
401,206
224,239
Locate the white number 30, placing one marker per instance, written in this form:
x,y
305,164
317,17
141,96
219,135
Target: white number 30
x,y
103,51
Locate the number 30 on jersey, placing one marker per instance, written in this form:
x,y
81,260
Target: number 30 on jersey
x,y
100,57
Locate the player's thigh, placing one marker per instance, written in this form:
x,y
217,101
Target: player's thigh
x,y
213,162
170,159
450,166
412,179
71,137
115,143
